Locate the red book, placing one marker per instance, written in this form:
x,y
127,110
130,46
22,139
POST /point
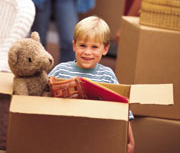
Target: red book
x,y
83,88
96,91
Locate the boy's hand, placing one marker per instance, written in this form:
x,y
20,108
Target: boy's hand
x,y
130,148
131,143
117,36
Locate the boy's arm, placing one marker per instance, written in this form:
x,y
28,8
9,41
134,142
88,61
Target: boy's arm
x,y
131,142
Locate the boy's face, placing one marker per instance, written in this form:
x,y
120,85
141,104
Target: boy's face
x,y
89,53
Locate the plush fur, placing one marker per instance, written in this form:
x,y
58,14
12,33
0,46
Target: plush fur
x,y
30,62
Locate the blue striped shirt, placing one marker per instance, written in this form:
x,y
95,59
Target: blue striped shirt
x,y
69,69
100,73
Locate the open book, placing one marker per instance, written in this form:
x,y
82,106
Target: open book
x,y
79,87
96,91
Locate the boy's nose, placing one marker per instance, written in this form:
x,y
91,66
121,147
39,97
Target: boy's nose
x,y
87,51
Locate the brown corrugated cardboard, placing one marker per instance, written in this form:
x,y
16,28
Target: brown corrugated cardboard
x,y
5,97
39,124
6,86
154,135
148,55
4,112
43,124
158,94
46,124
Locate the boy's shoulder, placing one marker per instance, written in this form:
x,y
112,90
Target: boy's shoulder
x,y
103,67
64,66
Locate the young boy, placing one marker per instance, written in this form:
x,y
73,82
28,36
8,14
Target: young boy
x,y
91,41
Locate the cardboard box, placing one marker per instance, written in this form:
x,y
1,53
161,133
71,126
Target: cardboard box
x,y
4,115
46,124
5,97
148,55
154,135
111,12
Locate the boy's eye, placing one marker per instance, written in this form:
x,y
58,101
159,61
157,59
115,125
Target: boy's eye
x,y
82,45
94,47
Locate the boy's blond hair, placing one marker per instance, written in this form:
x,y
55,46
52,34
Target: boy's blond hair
x,y
92,28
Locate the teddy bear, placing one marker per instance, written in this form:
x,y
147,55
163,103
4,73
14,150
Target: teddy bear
x,y
30,62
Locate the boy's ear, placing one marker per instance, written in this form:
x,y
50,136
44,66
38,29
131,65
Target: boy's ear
x,y
106,48
74,45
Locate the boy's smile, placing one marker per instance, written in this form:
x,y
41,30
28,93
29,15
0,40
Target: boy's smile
x,y
89,53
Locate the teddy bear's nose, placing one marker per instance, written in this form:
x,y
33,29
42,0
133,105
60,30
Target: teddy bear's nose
x,y
50,60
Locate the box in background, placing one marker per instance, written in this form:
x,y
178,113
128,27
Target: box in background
x,y
154,135
111,12
148,55
162,14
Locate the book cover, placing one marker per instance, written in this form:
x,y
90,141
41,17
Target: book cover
x,y
96,91
83,88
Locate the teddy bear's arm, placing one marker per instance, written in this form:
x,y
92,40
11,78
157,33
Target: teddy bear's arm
x,y
20,87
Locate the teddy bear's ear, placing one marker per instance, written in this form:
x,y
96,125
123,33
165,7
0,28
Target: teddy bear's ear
x,y
12,55
35,36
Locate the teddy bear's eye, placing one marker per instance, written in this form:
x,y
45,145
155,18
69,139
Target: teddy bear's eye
x,y
29,59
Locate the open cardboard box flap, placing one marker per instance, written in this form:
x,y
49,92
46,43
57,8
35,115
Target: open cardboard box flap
x,y
69,107
160,94
6,83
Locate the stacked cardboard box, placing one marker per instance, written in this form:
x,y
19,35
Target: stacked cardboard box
x,y
148,55
156,135
110,12
161,13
